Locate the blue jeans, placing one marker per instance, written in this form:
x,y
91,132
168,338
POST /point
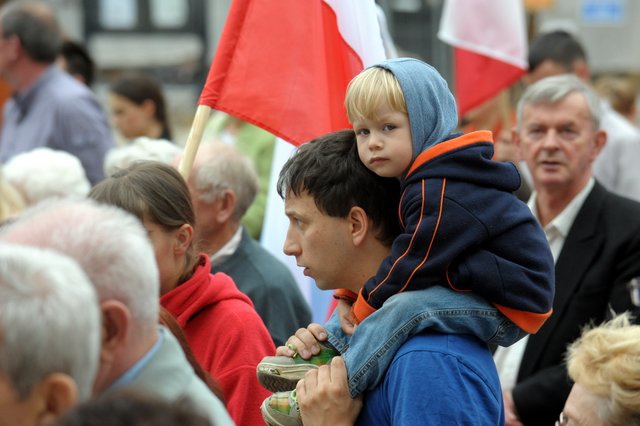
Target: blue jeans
x,y
369,352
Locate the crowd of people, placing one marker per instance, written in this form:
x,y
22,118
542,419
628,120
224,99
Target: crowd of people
x,y
133,295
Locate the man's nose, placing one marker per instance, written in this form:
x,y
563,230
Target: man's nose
x,y
550,140
291,247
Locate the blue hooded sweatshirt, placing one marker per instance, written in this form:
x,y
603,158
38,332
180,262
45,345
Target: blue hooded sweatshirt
x,y
462,226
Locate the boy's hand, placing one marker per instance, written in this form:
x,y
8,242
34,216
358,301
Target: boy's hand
x,y
304,342
347,321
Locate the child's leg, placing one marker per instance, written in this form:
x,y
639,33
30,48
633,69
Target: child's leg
x,y
376,339
336,337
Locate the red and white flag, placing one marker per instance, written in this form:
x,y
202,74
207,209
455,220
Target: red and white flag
x,y
490,41
284,65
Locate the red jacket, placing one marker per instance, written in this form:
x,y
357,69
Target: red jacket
x,y
226,335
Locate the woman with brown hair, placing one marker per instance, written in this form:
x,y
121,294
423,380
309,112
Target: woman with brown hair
x,y
223,329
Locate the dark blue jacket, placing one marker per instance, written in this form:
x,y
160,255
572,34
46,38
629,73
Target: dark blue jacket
x,y
464,228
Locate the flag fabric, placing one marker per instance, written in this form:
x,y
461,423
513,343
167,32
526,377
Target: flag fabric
x,y
285,65
490,47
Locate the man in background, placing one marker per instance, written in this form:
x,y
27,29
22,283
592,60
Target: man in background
x,y
594,236
48,107
616,167
223,186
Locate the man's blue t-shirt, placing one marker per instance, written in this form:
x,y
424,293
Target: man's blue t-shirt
x,y
437,379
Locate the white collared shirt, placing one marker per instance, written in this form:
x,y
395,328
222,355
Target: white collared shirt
x,y
228,249
508,359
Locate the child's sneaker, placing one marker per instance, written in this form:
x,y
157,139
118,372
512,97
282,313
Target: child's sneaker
x,y
281,373
281,409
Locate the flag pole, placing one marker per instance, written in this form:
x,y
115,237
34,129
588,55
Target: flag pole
x,y
193,140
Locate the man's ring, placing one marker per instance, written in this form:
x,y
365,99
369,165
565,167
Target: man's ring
x,y
292,347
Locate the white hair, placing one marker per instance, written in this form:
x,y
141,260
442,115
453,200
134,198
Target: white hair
x,y
110,244
49,319
218,167
551,90
44,173
141,148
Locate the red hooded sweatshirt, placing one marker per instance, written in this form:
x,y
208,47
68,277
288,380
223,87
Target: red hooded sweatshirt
x,y
226,335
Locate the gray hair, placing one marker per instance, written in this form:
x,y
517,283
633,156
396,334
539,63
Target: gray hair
x,y
46,173
110,244
49,319
34,23
554,89
219,167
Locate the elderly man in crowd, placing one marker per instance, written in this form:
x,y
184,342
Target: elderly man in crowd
x,y
48,107
49,335
594,237
115,252
223,185
616,167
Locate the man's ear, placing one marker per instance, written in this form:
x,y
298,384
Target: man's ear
x,y
226,206
600,141
359,224
183,238
581,69
13,47
54,395
116,324
149,107
515,136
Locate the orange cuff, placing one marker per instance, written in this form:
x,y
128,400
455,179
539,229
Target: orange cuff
x,y
345,294
361,309
527,321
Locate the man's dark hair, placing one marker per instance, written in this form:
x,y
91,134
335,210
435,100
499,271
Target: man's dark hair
x,y
557,46
36,29
329,169
78,61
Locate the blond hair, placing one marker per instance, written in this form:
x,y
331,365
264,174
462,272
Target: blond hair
x,y
370,90
619,91
605,360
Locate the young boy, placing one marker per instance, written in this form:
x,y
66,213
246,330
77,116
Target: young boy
x,y
463,230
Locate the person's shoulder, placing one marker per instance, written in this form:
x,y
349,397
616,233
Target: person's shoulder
x,y
451,344
618,206
61,85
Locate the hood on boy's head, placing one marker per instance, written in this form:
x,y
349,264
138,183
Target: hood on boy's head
x,y
432,110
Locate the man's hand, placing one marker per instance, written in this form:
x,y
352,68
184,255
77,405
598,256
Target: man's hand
x,y
505,149
304,342
510,414
347,321
324,399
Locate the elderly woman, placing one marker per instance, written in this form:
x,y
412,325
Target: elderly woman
x,y
605,365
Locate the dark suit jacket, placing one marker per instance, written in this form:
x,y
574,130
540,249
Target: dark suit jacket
x,y
600,255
